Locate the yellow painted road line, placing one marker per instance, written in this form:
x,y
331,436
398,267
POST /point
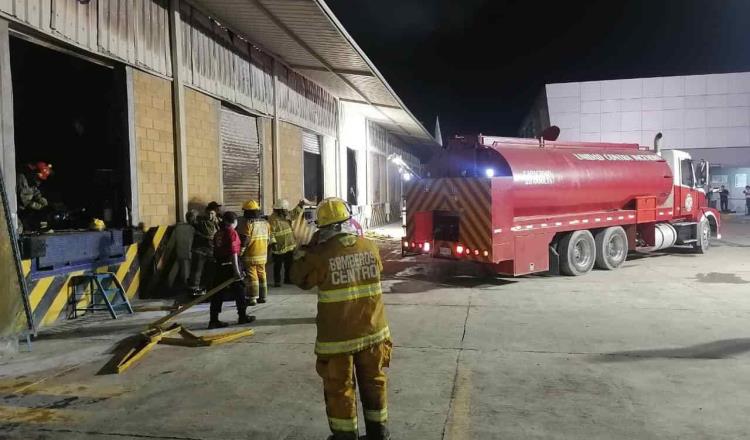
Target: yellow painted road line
x,y
17,386
459,422
81,390
26,265
11,414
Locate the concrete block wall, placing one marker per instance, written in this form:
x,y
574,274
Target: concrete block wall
x,y
203,149
291,159
698,111
154,138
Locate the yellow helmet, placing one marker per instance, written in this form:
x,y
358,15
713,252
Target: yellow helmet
x,y
251,205
97,225
331,211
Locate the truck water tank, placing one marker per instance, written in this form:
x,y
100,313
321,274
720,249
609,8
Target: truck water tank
x,y
565,179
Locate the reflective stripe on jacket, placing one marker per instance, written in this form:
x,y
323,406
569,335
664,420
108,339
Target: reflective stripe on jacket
x,y
351,315
255,239
281,230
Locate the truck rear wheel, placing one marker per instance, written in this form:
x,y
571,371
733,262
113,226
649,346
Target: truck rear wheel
x,y
611,247
577,253
703,236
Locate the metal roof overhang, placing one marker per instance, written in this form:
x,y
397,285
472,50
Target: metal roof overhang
x,y
305,35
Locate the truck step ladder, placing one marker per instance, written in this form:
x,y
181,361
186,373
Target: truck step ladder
x,y
109,298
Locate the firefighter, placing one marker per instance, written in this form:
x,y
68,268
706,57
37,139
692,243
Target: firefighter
x,y
282,250
353,341
31,202
226,252
254,236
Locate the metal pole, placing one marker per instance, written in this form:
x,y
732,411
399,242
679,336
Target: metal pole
x,y
276,134
17,257
178,106
7,165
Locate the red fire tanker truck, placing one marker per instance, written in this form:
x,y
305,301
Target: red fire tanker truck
x,y
530,205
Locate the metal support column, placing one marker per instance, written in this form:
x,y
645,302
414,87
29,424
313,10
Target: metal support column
x,y
135,206
340,187
387,165
276,135
178,109
7,129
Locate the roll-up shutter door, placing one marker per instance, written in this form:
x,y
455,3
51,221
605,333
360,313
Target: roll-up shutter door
x,y
240,159
310,142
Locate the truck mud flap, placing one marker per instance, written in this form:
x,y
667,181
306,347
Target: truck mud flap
x,y
554,261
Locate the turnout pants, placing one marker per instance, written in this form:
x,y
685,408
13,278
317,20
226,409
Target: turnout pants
x,y
341,374
284,260
256,280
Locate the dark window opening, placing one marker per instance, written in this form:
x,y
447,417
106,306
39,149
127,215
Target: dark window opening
x,y
313,168
351,176
445,226
72,114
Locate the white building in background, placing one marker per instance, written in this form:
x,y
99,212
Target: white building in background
x,y
708,115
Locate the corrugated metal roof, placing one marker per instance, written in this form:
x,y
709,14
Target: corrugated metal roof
x,y
307,36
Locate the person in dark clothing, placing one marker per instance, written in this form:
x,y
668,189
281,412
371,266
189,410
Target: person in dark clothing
x,y
32,205
202,251
724,198
226,254
746,192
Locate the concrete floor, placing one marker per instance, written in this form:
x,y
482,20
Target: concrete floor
x,y
659,349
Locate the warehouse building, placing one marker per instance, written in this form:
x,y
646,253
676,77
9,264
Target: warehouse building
x,y
707,115
147,109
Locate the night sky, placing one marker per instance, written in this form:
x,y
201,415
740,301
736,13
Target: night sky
x,y
479,64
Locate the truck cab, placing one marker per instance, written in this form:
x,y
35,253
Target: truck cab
x,y
688,199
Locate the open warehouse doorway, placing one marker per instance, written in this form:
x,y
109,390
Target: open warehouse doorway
x,y
351,176
70,113
312,166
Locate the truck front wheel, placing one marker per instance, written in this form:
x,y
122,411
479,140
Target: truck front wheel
x,y
611,248
703,236
577,253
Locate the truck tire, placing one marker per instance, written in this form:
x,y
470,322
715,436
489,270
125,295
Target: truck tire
x,y
577,253
611,247
703,236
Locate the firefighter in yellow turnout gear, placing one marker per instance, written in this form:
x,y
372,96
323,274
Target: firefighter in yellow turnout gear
x,y
254,235
284,242
353,345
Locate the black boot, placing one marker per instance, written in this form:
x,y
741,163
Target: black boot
x,y
377,431
245,319
216,324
